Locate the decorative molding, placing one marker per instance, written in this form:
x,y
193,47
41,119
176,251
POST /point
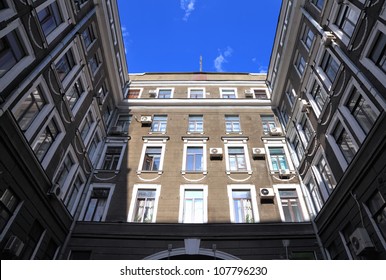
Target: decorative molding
x,y
364,35
342,86
240,180
62,113
105,179
148,180
30,32
50,72
328,116
194,181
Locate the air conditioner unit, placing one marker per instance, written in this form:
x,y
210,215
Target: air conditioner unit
x,y
267,193
215,152
258,152
284,173
275,131
152,93
360,241
327,38
14,246
304,105
146,119
248,93
56,190
116,130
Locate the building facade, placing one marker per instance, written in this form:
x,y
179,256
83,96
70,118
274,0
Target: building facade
x,y
327,78
62,70
194,166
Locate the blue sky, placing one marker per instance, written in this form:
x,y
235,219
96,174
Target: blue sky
x,y
171,35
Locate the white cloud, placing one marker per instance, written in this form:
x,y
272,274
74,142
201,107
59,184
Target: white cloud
x,y
221,59
126,37
188,7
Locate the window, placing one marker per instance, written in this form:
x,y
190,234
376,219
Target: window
x,y
159,123
324,175
377,207
361,109
50,18
164,93
297,146
305,129
34,235
46,139
193,204
94,145
291,203
317,199
144,202
268,122
123,122
319,96
112,158
300,64
95,62
236,157
196,123
133,93
260,94
68,166
74,93
232,123
291,94
88,36
30,108
196,93
72,195
102,93
194,159
228,93
79,3
98,200
65,64
11,51
152,159
278,158
8,204
307,37
330,66
87,126
347,19
318,3
242,204
344,142
378,52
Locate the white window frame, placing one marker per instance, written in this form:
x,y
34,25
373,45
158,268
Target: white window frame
x,y
299,192
97,134
252,190
237,143
61,27
152,143
81,76
297,63
306,29
74,49
278,144
222,89
323,76
99,61
29,57
360,134
93,186
195,143
204,189
332,141
315,209
195,131
334,14
134,88
318,112
61,133
268,95
367,62
103,154
133,201
9,12
199,88
166,88
93,126
78,172
324,189
40,82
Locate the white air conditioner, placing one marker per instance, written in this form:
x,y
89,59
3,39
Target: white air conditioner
x,y
146,119
267,193
215,152
284,173
248,93
360,241
152,93
116,130
275,131
258,152
14,246
304,105
327,38
56,190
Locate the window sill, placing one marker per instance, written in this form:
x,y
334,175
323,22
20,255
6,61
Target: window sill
x,y
249,172
106,171
195,132
157,132
234,132
204,172
149,172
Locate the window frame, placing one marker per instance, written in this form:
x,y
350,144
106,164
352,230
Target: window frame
x,y
133,200
300,61
140,90
103,155
317,5
232,122
93,186
76,57
194,143
94,123
278,144
240,187
79,101
322,72
198,88
91,34
151,144
325,188
191,120
9,12
237,144
313,82
303,205
223,89
162,121
165,88
306,30
187,187
25,61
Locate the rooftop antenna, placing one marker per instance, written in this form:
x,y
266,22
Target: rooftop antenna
x,y
200,63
